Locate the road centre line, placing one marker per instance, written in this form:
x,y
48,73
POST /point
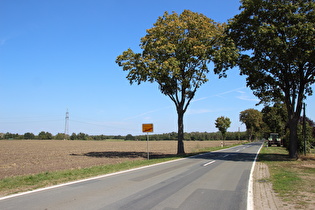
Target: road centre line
x,y
206,164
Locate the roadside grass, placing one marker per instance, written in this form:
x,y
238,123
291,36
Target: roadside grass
x,y
16,184
292,180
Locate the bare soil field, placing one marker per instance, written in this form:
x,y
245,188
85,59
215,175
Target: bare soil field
x,y
22,157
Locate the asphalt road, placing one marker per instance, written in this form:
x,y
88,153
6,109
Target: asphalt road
x,y
216,180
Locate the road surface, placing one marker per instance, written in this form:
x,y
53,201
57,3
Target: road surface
x,y
216,180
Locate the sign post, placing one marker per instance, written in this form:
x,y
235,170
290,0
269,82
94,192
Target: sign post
x,y
147,128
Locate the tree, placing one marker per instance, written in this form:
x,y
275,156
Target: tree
x,y
275,118
129,137
61,136
44,135
276,43
29,135
73,136
175,54
223,123
252,118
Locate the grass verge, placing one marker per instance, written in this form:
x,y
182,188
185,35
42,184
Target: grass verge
x,y
292,180
16,184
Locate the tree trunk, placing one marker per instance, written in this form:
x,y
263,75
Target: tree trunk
x,y
180,143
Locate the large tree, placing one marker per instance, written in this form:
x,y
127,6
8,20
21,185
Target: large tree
x,y
277,43
175,54
253,120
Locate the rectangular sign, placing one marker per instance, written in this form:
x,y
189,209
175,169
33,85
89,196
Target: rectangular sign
x,y
147,128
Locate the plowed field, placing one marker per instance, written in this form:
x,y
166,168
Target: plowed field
x,y
21,157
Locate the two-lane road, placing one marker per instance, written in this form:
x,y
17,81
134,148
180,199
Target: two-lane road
x,y
216,180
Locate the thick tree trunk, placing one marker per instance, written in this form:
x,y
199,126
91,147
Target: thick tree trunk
x,y
180,143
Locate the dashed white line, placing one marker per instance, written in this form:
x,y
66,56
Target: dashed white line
x,y
206,164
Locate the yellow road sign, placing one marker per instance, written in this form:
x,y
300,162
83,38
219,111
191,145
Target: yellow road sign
x,y
147,128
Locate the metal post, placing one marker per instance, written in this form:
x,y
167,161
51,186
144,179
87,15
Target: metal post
x,y
148,146
304,128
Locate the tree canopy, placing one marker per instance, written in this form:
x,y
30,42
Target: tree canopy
x,y
276,40
252,118
175,54
222,123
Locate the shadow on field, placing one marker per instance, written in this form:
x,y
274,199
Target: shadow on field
x,y
114,154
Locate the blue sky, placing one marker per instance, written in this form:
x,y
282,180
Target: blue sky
x,y
60,54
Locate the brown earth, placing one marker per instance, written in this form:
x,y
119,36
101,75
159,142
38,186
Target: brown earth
x,y
21,157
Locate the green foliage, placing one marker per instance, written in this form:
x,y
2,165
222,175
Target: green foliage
x,y
29,136
175,55
130,137
276,43
252,118
12,136
309,135
192,136
223,123
195,136
45,135
275,118
61,136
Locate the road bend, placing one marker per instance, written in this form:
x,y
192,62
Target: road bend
x,y
215,180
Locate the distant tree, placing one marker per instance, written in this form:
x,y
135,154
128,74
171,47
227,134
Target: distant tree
x,y
73,136
275,118
175,54
82,136
29,136
130,137
276,41
60,136
223,123
45,135
252,118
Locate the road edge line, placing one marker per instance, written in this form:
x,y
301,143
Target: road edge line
x,y
250,188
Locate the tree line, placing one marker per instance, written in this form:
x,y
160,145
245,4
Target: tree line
x,y
192,136
273,119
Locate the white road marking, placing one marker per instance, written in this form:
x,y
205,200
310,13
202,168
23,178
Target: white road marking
x,y
206,164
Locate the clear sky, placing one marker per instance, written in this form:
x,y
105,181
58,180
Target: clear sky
x,y
60,54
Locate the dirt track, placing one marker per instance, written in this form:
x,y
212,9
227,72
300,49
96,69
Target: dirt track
x,y
20,157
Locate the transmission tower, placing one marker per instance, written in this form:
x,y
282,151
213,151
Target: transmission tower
x,y
67,125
